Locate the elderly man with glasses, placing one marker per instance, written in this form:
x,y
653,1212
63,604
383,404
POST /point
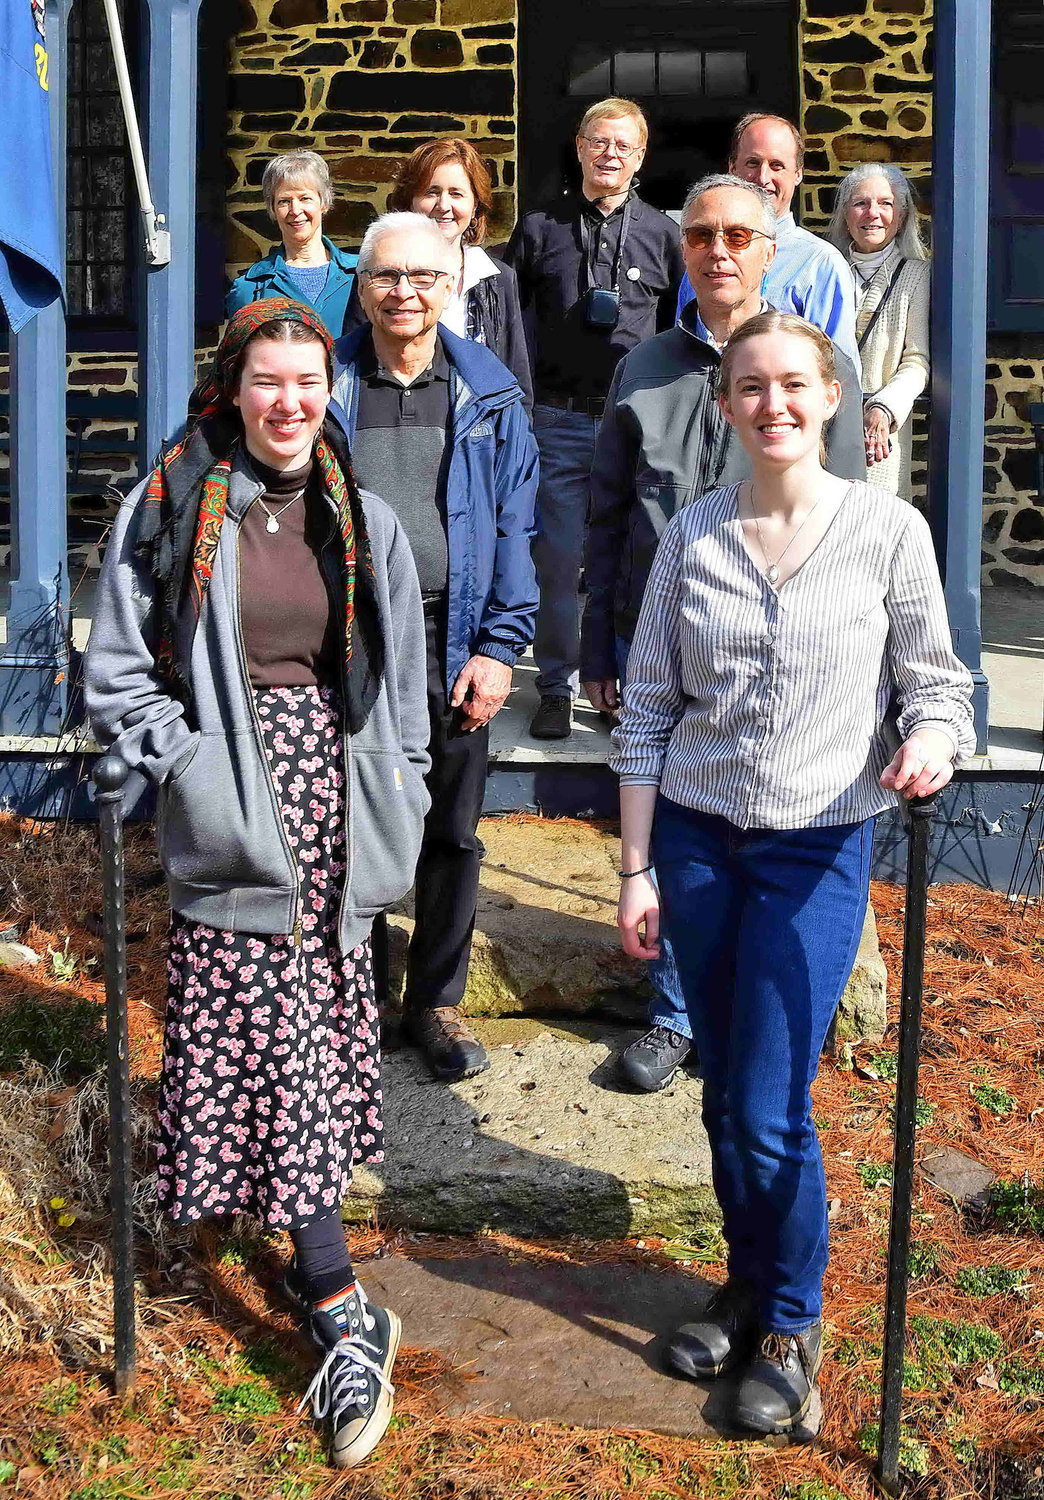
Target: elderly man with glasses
x,y
438,430
598,271
663,442
808,275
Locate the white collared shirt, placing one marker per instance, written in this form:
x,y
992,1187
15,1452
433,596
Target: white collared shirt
x,y
478,266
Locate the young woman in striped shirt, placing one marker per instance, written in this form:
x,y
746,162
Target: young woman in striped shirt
x,y
792,636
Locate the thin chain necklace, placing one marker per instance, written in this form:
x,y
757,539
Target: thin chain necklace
x,y
772,568
272,524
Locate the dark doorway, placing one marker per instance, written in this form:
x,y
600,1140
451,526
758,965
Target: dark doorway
x,y
695,67
1016,286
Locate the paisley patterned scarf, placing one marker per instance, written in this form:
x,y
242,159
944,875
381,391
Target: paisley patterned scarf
x,y
183,510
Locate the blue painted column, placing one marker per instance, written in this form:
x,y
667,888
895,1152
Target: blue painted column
x,y
960,209
34,664
167,330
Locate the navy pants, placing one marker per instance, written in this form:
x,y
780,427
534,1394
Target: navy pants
x,y
765,925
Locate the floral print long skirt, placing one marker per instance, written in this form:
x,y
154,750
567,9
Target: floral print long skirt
x,y
270,1087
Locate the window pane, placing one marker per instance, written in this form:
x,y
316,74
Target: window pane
x,y
1026,262
634,72
589,72
726,73
1027,136
97,224
681,72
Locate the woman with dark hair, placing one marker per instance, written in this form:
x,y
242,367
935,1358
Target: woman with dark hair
x,y
258,652
448,181
875,225
792,635
307,266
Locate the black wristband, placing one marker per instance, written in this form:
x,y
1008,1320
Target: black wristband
x,y
630,874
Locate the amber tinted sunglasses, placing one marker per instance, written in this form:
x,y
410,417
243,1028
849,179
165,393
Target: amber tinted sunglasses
x,y
736,236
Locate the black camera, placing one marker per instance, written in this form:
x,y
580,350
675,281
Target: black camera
x,y
601,307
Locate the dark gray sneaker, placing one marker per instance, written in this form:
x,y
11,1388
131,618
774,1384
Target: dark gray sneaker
x,y
352,1387
722,1336
652,1061
553,720
776,1390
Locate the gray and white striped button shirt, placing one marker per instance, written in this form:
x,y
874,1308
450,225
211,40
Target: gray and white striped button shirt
x,y
771,707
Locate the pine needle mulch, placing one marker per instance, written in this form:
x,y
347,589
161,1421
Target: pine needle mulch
x,y
220,1365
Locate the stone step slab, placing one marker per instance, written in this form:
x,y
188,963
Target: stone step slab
x,y
546,939
543,1340
541,1144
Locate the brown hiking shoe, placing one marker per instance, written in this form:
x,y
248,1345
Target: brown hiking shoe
x,y
451,1049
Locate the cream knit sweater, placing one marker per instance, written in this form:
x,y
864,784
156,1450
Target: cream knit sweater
x,y
895,360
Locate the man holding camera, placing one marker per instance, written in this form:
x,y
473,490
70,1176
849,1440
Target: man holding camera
x,y
598,272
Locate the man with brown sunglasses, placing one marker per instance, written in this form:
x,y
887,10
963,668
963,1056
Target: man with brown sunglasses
x,y
663,442
809,275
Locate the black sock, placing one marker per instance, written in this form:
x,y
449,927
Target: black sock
x,y
321,1252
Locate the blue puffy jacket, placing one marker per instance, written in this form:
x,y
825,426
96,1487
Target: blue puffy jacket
x,y
269,277
491,484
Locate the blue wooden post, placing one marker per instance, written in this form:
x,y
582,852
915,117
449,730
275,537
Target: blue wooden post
x,y
167,330
960,210
34,665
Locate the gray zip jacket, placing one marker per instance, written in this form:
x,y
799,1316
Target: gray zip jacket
x,y
220,835
662,443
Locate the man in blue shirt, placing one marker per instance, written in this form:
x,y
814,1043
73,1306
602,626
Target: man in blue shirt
x,y
808,275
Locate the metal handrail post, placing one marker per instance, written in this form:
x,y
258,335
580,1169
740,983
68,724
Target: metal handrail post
x,y
921,810
110,776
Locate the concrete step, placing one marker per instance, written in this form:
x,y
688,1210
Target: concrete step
x,y
546,939
544,1143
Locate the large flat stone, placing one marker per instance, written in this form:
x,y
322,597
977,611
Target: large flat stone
x,y
546,939
543,1143
542,1340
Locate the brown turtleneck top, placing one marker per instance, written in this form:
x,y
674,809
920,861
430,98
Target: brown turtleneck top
x,y
291,625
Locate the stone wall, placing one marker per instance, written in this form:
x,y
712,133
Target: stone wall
x,y
363,82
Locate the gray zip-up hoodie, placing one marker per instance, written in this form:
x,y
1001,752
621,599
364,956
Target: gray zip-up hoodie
x,y
220,835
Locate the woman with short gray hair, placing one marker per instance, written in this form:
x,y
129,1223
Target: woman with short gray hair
x,y
875,225
307,266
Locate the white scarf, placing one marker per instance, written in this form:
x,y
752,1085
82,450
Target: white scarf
x,y
866,263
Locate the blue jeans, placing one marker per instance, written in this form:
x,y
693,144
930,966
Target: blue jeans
x,y
566,441
765,925
667,1007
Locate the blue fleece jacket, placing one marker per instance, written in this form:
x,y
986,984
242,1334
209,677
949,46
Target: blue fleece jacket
x,y
491,483
269,277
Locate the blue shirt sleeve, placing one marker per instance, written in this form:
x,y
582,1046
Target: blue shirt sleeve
x,y
685,295
830,305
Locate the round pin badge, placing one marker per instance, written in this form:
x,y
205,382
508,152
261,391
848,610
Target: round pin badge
x,y
633,273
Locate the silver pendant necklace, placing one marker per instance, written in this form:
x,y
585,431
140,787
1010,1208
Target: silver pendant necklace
x,y
272,524
772,568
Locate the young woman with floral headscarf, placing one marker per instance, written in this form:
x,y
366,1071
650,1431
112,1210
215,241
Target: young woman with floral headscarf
x,y
258,652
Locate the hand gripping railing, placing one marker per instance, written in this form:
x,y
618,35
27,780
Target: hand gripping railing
x,y
922,811
110,776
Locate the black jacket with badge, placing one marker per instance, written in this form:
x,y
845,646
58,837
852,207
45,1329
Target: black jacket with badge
x,y
551,252
662,443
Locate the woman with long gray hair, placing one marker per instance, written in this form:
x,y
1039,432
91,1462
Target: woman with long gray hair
x,y
875,224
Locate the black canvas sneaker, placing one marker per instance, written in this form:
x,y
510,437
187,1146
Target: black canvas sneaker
x,y
352,1387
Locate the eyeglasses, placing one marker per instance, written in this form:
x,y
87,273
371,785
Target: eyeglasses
x,y
736,236
387,277
601,144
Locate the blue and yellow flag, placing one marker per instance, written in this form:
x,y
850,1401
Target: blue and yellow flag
x,y
30,255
